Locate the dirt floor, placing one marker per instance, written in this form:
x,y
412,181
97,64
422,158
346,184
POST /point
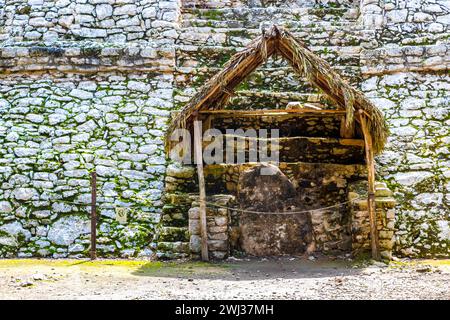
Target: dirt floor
x,y
275,278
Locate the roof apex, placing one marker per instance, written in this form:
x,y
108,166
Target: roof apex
x,y
215,93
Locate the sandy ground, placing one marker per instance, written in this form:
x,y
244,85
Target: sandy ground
x,y
275,278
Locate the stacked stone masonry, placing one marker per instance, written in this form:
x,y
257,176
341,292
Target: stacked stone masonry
x,y
218,228
385,216
91,85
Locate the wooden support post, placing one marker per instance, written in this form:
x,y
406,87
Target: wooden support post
x,y
93,252
371,189
201,184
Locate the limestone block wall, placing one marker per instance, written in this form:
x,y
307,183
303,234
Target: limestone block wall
x,y
415,21
83,86
100,20
360,225
217,224
53,132
407,77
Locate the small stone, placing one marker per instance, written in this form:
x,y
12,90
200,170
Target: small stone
x,y
178,171
33,35
139,86
76,248
195,244
103,11
90,33
129,9
67,229
56,118
8,242
42,244
424,269
39,22
81,94
24,194
397,16
104,171
5,207
35,118
25,152
422,17
14,229
66,21
149,13
12,136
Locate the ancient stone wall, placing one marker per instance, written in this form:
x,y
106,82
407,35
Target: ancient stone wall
x,y
91,84
407,78
83,86
360,222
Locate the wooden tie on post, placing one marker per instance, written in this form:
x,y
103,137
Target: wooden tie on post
x,y
201,184
371,190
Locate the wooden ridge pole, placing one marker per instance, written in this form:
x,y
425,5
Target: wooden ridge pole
x,y
371,189
201,186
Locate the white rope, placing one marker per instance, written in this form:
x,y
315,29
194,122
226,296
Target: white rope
x,y
285,212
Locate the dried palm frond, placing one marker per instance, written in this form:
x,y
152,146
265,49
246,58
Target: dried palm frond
x,y
215,93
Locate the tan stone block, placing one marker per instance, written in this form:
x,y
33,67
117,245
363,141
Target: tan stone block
x,y
221,221
387,254
222,212
361,214
383,192
195,244
218,245
218,229
390,214
218,236
386,234
385,202
390,225
386,244
194,213
194,226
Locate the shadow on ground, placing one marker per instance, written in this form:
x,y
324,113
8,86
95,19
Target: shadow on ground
x,y
250,269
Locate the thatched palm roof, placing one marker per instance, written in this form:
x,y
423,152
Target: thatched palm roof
x,y
214,94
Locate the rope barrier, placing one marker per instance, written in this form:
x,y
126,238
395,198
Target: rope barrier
x,y
284,212
214,204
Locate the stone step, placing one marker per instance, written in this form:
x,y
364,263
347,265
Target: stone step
x,y
285,21
247,100
263,79
292,149
248,3
223,178
192,56
257,15
173,234
174,212
322,36
288,125
172,249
